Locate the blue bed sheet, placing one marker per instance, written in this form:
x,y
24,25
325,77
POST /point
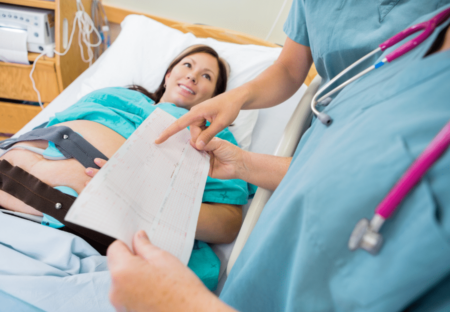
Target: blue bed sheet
x,y
44,269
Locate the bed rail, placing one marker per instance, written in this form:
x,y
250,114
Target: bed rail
x,y
297,125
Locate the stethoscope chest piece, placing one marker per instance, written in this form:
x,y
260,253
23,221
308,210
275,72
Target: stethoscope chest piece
x,y
366,237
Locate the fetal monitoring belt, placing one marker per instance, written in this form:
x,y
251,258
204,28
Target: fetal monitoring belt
x,y
63,142
44,198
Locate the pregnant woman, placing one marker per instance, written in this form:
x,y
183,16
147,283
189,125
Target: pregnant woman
x,y
45,168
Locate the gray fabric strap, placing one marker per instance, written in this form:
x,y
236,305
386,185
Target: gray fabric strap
x,y
68,142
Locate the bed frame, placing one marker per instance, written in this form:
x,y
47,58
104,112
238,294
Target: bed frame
x,y
297,125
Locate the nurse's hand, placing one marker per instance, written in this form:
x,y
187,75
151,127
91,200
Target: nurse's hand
x,y
220,111
230,162
154,280
227,160
91,172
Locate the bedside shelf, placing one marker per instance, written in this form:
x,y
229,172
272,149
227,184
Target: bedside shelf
x,y
32,57
51,75
41,4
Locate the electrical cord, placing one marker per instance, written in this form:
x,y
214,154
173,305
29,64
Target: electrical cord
x,y
86,28
98,15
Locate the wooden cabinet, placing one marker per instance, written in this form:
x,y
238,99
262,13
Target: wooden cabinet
x,y
13,116
17,83
51,75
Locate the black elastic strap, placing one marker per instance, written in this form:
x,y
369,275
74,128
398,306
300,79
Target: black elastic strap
x,y
35,193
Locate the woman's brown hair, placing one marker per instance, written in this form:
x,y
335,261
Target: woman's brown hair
x,y
221,84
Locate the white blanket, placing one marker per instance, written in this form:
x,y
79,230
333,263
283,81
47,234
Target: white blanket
x,y
38,263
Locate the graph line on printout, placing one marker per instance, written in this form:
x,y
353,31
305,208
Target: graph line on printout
x,y
168,191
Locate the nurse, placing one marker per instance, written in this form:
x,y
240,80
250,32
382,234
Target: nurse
x,y
297,258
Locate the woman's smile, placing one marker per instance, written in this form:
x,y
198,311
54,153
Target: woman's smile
x,y
186,89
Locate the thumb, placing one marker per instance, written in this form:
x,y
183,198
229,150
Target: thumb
x,y
213,145
142,245
208,134
118,254
195,132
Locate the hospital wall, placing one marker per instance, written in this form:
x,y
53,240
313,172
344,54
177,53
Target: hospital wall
x,y
253,17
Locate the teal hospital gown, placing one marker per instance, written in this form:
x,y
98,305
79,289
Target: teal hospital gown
x,y
123,111
297,259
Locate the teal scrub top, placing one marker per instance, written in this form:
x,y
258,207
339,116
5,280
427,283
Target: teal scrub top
x,y
123,111
297,259
339,32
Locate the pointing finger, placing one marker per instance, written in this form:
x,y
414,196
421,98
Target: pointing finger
x,y
178,125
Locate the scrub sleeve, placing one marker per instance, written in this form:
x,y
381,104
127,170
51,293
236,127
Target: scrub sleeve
x,y
123,111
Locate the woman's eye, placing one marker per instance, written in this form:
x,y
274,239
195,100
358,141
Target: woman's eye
x,y
188,65
207,77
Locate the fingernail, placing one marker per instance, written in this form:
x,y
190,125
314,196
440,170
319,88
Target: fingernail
x,y
201,145
142,235
89,171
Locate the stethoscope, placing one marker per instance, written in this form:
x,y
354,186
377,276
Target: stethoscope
x,y
366,233
428,26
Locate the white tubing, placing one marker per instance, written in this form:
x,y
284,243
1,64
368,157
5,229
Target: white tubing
x,y
314,102
276,20
347,83
86,27
32,80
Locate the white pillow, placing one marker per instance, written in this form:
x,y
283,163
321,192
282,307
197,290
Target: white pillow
x,y
144,49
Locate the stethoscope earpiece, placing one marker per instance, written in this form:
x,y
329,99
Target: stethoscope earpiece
x,y
325,119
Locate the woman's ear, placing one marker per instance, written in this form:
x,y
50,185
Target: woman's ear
x,y
167,75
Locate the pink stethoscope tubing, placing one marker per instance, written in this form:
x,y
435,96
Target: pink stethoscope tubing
x,y
414,173
428,28
366,234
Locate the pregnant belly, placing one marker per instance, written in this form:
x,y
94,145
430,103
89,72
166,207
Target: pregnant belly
x,y
67,172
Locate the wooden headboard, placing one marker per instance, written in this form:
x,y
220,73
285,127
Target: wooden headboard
x,y
117,15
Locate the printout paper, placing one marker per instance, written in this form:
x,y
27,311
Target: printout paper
x,y
144,186
13,45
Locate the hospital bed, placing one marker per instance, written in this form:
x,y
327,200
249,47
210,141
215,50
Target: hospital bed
x,y
276,131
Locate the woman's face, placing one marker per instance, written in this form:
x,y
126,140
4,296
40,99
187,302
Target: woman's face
x,y
191,81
